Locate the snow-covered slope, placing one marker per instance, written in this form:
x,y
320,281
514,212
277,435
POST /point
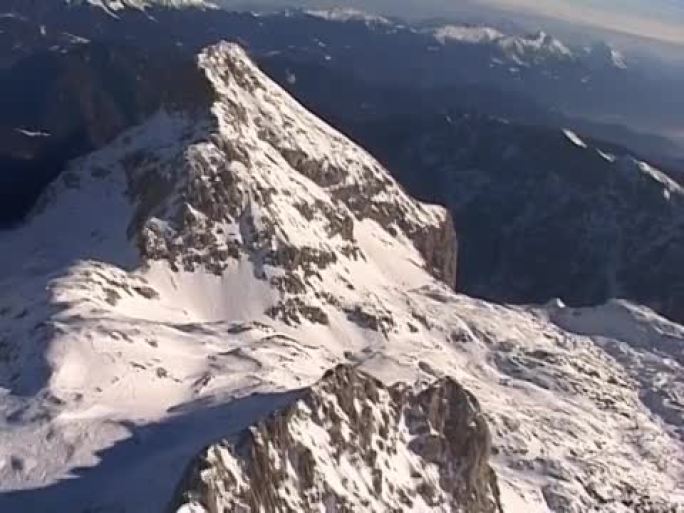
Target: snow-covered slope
x,y
188,280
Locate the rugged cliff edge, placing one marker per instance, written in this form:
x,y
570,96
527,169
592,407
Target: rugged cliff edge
x,y
349,443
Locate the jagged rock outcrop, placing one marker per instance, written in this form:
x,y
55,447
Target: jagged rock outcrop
x,y
351,444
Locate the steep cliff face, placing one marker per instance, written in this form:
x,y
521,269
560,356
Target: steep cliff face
x,y
439,247
350,443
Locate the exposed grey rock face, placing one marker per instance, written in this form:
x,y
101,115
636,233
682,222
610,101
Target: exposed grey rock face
x,y
439,247
351,444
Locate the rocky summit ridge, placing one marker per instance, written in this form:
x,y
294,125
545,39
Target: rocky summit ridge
x,y
352,444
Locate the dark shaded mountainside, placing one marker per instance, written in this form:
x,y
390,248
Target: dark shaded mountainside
x,y
80,100
539,216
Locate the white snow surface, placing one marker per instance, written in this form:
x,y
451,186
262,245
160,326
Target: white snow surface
x,y
115,371
467,34
32,133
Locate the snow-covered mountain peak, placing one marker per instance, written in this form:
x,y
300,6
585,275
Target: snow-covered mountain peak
x,y
277,185
260,188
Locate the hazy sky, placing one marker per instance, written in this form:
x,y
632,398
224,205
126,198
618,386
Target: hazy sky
x,y
658,19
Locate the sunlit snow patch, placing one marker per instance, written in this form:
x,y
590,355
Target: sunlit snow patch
x,y
574,139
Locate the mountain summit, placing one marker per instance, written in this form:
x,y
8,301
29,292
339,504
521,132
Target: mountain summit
x,y
193,280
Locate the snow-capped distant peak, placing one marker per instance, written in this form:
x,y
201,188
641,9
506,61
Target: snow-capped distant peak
x,y
618,59
467,34
523,50
344,14
118,5
543,40
534,48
